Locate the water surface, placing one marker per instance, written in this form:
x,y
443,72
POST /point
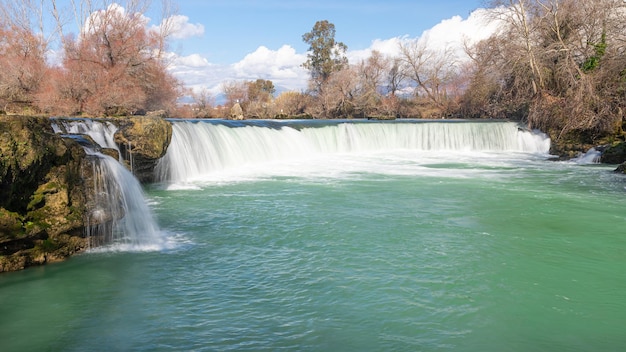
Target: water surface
x,y
400,249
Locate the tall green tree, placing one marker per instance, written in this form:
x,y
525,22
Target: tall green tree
x,y
325,54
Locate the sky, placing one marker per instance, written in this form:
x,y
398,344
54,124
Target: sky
x,y
226,40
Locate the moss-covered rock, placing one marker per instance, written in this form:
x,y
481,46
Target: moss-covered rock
x,y
142,141
47,200
42,194
615,154
570,145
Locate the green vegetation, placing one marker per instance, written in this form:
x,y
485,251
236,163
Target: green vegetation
x,y
326,56
593,62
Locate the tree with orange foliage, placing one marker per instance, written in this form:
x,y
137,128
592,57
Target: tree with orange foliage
x,y
113,67
114,64
22,62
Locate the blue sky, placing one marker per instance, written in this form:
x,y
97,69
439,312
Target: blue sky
x,y
234,28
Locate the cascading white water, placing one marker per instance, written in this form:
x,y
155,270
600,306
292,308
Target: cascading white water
x,y
118,196
119,216
431,136
592,156
199,148
102,132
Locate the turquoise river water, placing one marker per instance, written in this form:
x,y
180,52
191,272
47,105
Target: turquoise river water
x,y
347,238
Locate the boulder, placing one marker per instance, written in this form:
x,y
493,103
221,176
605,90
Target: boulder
x,y
142,141
236,112
614,154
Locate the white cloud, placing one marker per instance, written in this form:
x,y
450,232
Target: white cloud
x,y
446,33
282,66
196,72
99,18
453,32
389,47
193,60
180,27
54,57
450,33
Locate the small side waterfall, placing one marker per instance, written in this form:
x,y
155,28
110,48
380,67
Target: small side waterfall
x,y
102,132
202,147
592,156
118,214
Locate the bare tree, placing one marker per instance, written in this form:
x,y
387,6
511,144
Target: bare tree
x,y
520,15
371,73
395,76
236,92
23,45
559,64
203,103
111,64
486,69
290,103
261,90
114,64
430,70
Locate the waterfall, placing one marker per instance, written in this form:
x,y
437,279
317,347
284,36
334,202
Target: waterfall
x,y
102,132
117,214
202,147
592,156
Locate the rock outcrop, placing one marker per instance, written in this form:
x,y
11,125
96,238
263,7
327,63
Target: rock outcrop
x,y
42,195
236,112
614,154
143,140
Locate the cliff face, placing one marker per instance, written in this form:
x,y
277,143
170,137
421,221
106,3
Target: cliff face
x,y
42,195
